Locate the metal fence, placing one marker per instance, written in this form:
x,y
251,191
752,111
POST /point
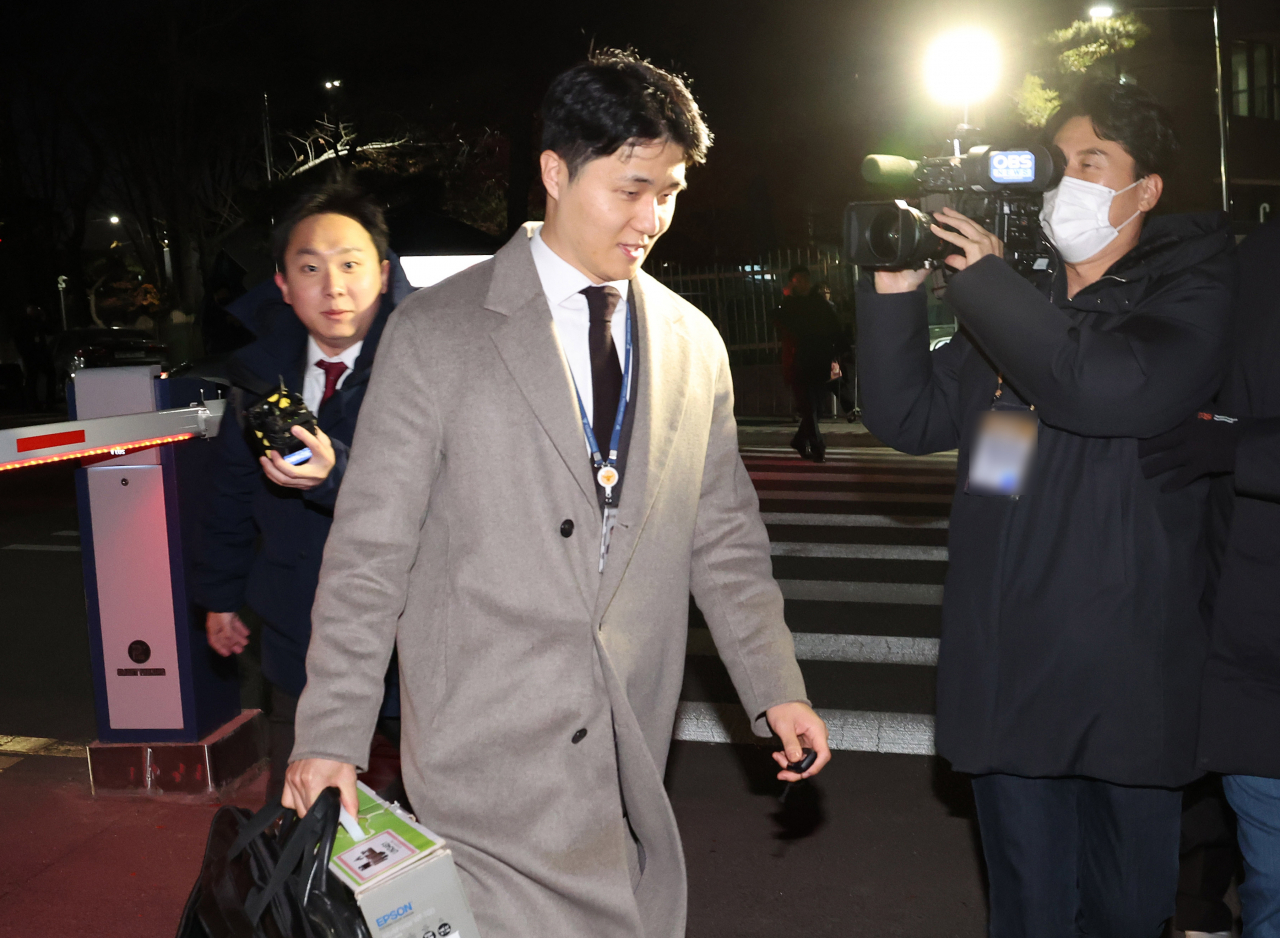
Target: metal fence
x,y
742,299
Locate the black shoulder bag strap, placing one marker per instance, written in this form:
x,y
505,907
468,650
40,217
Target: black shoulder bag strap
x,y
304,837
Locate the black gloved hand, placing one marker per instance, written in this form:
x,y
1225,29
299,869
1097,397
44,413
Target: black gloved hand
x,y
1204,444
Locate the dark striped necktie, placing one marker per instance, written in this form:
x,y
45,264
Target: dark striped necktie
x,y
606,373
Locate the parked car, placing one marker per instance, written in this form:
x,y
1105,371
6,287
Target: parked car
x,y
104,347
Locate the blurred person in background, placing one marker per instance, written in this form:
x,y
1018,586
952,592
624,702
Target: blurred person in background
x,y
842,386
33,337
808,325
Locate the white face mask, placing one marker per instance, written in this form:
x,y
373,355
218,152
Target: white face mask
x,y
1077,218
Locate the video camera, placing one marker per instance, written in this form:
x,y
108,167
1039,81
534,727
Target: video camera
x,y
1000,189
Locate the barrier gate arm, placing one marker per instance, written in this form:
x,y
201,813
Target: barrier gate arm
x,y
107,436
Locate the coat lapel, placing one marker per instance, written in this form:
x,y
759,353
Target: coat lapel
x,y
660,405
526,340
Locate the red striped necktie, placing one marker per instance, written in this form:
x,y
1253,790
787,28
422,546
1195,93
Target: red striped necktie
x,y
333,372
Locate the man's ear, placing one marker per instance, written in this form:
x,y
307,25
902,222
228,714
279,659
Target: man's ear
x,y
1150,191
284,287
386,275
555,172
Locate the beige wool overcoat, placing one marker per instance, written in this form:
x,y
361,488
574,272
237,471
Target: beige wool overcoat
x,y
449,543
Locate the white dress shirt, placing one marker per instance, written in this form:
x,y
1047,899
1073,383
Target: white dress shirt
x,y
313,377
563,284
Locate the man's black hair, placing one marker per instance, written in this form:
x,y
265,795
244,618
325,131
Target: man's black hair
x,y
616,98
339,196
1127,114
797,269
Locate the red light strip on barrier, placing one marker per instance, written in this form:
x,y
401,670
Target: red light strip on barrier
x,y
49,440
98,451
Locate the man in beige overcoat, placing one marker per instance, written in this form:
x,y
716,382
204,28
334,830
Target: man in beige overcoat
x,y
536,486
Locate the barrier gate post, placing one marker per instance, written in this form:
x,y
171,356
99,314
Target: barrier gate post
x,y
167,707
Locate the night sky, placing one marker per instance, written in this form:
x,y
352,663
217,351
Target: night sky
x,y
100,96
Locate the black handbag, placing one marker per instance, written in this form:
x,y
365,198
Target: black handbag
x,y
259,880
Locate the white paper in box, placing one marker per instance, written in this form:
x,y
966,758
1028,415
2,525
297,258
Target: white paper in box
x,y
402,874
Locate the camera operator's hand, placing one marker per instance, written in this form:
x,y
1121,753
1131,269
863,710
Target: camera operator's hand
x,y
900,281
1202,445
969,236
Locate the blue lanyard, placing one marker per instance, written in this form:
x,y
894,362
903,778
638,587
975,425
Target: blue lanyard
x,y
596,458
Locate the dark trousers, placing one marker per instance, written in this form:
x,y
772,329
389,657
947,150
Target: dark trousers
x,y
284,708
1072,857
809,396
1209,858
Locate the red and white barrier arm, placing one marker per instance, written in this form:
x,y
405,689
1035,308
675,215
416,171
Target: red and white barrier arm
x,y
107,436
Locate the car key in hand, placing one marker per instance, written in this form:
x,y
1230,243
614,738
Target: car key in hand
x,y
806,761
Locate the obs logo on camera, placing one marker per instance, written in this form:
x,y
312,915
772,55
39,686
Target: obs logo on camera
x,y
1007,166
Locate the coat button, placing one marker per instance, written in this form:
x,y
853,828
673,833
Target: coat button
x,y
566,527
579,736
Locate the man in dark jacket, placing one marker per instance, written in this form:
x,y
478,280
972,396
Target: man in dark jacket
x,y
1071,635
267,520
809,330
1240,706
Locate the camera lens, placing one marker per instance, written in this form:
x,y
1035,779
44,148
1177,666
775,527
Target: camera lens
x,y
884,235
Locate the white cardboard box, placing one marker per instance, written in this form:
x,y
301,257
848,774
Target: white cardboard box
x,y
402,875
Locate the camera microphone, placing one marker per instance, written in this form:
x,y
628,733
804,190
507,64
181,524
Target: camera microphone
x,y
886,170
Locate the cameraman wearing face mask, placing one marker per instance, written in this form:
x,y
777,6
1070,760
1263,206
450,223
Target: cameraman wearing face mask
x,y
1073,640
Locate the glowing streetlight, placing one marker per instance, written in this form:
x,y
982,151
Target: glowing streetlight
x,y
115,219
333,84
962,67
1102,12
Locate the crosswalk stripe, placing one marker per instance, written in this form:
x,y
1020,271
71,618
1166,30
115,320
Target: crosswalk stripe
x,y
850,730
824,496
909,594
70,548
857,551
867,649
859,649
854,521
838,489
849,477
842,454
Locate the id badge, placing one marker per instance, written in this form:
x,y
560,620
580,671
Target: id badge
x,y
1003,448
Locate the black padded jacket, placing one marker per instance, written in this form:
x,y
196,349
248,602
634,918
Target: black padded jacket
x,y
1240,717
1073,638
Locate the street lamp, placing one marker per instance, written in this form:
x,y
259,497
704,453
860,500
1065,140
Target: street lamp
x,y
962,66
333,84
114,219
1101,12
